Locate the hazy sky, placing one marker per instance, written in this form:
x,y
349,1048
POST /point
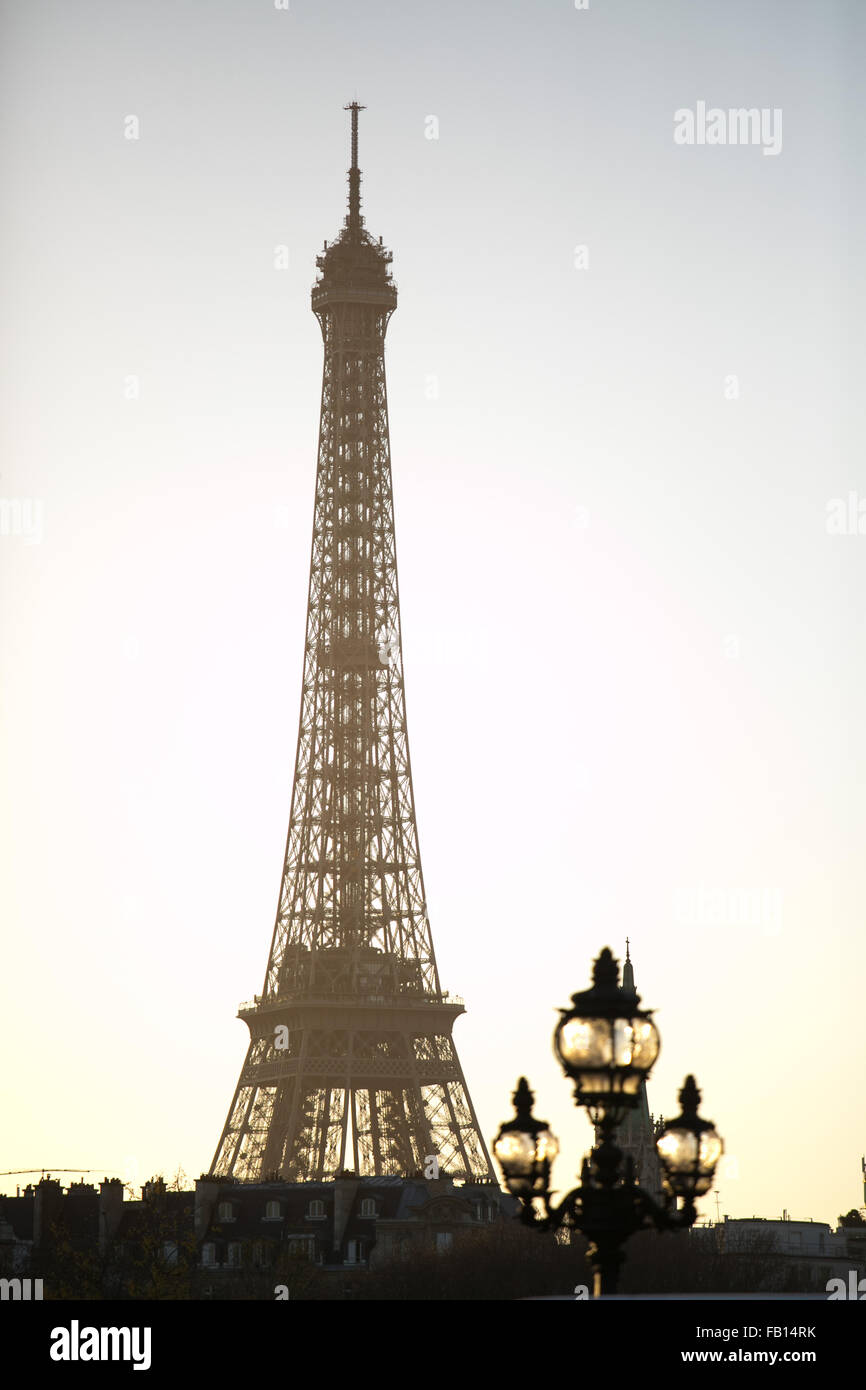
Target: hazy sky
x,y
634,653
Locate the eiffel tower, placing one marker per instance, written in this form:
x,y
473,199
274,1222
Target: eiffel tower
x,y
351,1064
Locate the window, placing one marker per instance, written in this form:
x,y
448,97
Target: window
x,y
444,1241
169,1251
302,1246
316,1211
234,1254
226,1211
355,1252
273,1211
368,1206
208,1254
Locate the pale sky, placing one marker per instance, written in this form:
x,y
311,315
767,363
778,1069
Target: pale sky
x,y
634,654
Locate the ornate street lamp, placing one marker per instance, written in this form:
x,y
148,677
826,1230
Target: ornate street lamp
x,y
607,1045
526,1148
688,1148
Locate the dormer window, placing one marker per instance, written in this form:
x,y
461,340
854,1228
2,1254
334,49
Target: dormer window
x,y
273,1211
368,1206
316,1211
226,1211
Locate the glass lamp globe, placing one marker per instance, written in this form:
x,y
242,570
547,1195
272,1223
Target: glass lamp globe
x,y
688,1148
525,1148
606,1043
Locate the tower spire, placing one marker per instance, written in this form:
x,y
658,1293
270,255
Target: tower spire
x,y
628,969
354,220
635,1135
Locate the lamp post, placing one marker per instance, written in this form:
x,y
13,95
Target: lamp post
x,y
607,1045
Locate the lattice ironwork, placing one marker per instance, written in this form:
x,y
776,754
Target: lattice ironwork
x,y
351,1064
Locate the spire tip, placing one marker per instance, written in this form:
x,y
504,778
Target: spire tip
x,y
354,221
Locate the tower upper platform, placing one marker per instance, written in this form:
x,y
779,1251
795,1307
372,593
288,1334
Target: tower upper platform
x,y
354,267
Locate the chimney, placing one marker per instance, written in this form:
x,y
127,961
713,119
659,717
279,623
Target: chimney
x,y
153,1190
345,1190
110,1210
206,1192
47,1209
441,1186
7,1245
